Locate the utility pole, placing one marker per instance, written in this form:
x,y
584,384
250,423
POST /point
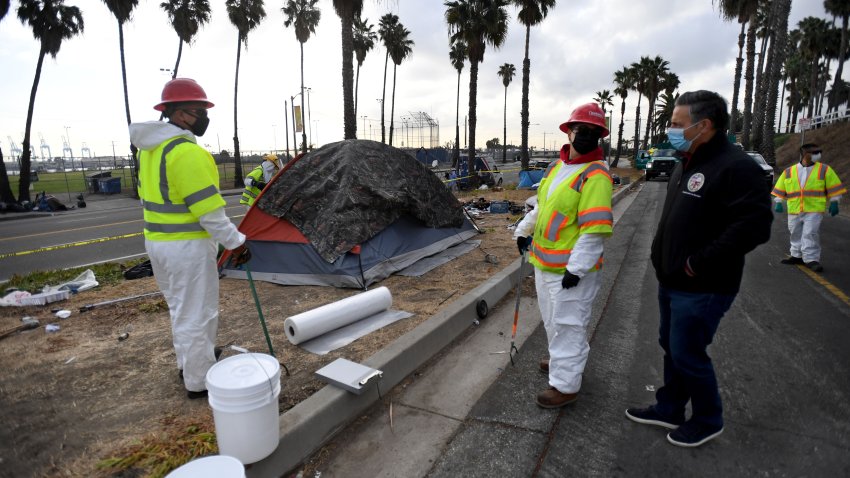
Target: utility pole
x,y
309,117
286,133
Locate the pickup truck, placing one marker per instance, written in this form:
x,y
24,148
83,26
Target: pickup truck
x,y
661,164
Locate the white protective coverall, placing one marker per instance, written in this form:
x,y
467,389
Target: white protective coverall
x,y
186,273
566,312
269,170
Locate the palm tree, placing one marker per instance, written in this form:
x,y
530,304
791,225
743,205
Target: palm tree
x,y
400,48
457,55
122,10
604,99
741,11
245,15
779,27
52,22
639,85
364,40
531,13
654,71
304,16
838,8
348,10
814,31
506,72
4,9
623,79
186,17
664,108
386,27
477,23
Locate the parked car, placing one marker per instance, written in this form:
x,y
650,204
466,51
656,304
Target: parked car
x,y
661,163
769,173
487,174
641,158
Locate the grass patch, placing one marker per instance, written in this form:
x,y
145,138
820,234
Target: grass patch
x,y
780,139
107,273
158,454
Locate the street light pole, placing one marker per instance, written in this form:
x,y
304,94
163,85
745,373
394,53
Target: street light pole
x,y
309,116
294,137
286,133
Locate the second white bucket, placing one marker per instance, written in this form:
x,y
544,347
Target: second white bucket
x,y
243,392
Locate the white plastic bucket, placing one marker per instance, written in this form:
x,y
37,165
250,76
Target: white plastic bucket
x,y
217,466
243,392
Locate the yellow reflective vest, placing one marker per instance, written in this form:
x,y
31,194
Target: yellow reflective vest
x,y
249,195
821,185
178,183
579,205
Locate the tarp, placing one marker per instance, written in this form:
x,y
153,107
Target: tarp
x,y
530,177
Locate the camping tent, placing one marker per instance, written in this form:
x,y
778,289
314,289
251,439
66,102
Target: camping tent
x,y
348,215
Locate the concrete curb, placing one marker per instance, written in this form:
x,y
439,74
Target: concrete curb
x,y
313,422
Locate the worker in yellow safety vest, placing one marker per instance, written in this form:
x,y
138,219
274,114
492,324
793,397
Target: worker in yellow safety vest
x,y
184,219
807,187
572,218
258,178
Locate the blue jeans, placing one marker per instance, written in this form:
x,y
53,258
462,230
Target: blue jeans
x,y
688,323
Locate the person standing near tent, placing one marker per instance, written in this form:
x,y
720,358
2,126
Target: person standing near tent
x,y
807,187
257,179
183,220
570,222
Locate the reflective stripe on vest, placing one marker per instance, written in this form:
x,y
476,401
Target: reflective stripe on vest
x,y
249,195
820,185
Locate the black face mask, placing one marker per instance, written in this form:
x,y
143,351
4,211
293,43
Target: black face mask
x,y
585,141
202,121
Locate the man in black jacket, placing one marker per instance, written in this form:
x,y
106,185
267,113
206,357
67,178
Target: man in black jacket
x,y
716,211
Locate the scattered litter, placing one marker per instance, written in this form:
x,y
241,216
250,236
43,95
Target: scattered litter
x,y
476,322
239,349
63,314
501,333
70,360
51,328
499,352
50,293
491,259
650,388
123,337
27,319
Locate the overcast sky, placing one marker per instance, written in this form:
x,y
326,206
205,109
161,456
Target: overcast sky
x,y
574,54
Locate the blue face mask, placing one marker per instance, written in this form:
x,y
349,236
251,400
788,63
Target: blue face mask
x,y
676,136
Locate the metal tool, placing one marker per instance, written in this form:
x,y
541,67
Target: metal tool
x,y
516,309
117,301
260,311
27,325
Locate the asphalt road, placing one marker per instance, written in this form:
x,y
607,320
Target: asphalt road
x,y
80,237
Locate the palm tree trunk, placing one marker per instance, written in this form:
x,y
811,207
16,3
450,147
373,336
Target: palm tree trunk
x,y
782,100
761,96
473,120
179,55
736,87
5,190
124,70
637,124
778,53
384,97
303,124
24,178
350,127
505,129
526,72
456,154
357,90
833,93
748,83
649,114
237,174
392,106
620,134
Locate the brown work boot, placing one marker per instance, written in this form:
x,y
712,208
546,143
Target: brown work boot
x,y
544,365
552,398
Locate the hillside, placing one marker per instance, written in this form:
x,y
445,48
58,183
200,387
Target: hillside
x,y
835,142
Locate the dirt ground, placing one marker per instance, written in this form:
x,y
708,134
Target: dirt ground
x,y
72,398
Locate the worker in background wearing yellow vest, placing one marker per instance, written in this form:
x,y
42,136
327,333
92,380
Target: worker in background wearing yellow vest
x,y
807,187
257,179
183,220
572,218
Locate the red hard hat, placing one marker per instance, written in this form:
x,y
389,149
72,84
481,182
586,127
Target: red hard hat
x,y
180,90
589,113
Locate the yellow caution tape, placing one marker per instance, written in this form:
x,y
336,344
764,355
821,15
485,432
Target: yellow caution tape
x,y
70,244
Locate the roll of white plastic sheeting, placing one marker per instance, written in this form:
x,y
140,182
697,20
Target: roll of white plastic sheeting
x,y
315,322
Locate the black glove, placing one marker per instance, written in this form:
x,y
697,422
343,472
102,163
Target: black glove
x,y
241,255
570,280
260,185
522,243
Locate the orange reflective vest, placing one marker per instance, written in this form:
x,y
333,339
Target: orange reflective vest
x,y
821,185
578,205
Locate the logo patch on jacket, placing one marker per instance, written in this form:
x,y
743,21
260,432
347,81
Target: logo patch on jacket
x,y
695,182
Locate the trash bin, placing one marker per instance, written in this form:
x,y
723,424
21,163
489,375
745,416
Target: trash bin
x,y
93,180
109,185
